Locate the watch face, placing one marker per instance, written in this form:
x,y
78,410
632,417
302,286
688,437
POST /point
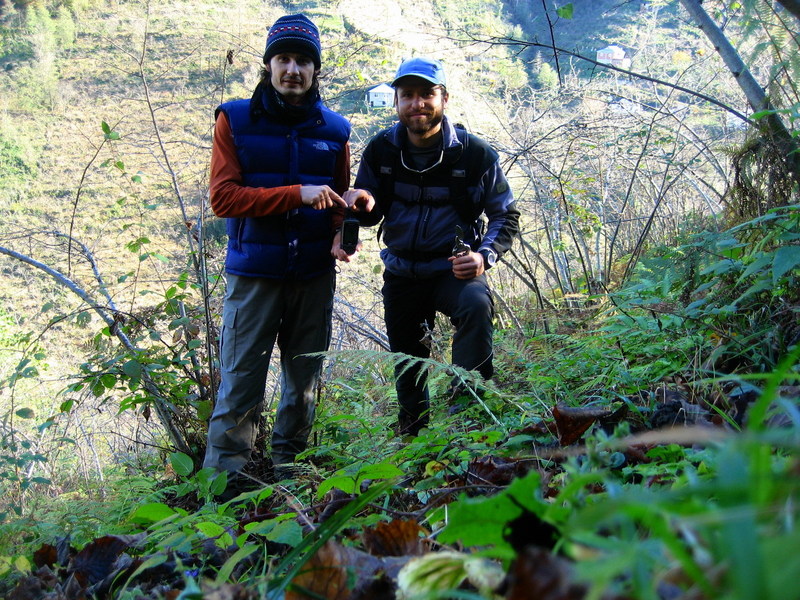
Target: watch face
x,y
489,259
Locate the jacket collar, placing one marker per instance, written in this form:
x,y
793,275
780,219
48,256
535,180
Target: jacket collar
x,y
267,101
397,137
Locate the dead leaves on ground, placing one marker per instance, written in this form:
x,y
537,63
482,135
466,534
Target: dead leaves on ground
x,y
396,538
540,575
105,565
338,572
61,572
395,559
572,422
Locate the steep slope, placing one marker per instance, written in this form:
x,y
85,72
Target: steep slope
x,y
107,113
593,23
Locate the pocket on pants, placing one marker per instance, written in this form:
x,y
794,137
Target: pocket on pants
x,y
227,337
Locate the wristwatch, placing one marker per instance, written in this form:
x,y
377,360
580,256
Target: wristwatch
x,y
489,258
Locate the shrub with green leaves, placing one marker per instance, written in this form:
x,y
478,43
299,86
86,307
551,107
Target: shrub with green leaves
x,y
17,164
736,290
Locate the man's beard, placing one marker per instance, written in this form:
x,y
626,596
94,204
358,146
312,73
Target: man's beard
x,y
423,126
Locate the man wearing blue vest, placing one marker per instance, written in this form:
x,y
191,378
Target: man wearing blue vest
x,y
430,182
279,165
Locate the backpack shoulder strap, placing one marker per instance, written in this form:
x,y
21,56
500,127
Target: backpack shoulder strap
x,y
459,173
476,158
387,163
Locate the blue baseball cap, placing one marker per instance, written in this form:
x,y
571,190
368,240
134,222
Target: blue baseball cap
x,y
427,68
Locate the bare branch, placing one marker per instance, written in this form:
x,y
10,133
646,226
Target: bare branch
x,y
161,404
507,41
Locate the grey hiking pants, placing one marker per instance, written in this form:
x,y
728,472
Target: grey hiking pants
x,y
256,313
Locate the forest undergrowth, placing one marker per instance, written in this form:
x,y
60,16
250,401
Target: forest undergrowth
x,y
640,437
647,447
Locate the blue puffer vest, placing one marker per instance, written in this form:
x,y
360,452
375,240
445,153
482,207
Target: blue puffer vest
x,y
294,245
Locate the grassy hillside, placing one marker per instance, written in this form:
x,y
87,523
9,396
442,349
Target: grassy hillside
x,y
105,130
639,439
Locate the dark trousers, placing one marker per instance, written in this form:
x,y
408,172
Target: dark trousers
x,y
410,306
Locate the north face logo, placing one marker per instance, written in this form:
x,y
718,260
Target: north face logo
x,y
321,146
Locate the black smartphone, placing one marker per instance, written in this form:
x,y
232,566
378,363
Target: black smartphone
x,y
349,240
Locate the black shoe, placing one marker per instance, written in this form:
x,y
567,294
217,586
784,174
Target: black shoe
x,y
286,472
459,405
457,401
460,398
238,483
409,426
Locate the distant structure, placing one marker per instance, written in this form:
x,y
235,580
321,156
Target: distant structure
x,y
624,106
381,95
614,56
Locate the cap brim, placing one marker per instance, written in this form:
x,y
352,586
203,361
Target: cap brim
x,y
418,75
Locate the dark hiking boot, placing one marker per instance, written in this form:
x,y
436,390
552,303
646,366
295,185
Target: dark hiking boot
x,y
408,426
458,400
286,472
238,483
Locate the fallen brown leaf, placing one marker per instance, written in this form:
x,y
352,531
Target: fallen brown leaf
x,y
47,556
493,471
536,573
573,422
395,538
42,583
95,561
337,572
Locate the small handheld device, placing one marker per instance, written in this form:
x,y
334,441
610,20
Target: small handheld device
x,y
349,239
459,247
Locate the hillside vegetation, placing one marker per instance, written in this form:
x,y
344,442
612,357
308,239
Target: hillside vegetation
x,y
640,437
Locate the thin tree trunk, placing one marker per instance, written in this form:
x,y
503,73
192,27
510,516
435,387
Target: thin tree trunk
x,y
755,94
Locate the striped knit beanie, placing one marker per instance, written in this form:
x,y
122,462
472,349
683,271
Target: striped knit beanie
x,y
294,33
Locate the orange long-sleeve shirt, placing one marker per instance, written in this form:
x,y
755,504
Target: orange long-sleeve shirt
x,y
230,198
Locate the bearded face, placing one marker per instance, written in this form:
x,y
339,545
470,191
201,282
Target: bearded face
x,y
420,106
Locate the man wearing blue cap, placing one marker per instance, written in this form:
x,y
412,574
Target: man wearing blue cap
x,y
430,182
280,162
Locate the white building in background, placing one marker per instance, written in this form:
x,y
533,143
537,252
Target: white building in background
x,y
382,95
624,106
614,56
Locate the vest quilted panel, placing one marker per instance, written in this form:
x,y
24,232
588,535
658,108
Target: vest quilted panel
x,y
297,244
